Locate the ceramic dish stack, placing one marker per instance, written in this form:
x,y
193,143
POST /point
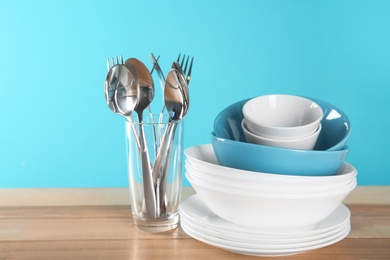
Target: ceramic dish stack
x,y
198,221
264,200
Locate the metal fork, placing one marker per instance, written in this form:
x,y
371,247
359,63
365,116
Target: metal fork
x,y
184,67
181,67
114,61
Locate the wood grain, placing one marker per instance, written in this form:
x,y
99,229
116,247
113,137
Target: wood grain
x,y
107,232
120,196
178,249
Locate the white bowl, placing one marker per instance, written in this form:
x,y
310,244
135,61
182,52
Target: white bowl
x,y
302,143
269,211
282,116
263,185
259,192
204,159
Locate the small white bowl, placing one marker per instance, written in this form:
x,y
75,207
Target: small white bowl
x,y
302,143
282,116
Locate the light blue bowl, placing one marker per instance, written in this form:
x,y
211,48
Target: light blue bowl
x,y
330,151
261,158
336,126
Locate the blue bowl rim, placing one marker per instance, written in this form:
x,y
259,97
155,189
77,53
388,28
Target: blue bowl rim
x,y
344,115
273,148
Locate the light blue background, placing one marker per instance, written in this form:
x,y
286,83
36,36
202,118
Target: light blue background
x,y
56,130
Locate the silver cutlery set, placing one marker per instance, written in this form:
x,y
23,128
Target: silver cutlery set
x,y
129,88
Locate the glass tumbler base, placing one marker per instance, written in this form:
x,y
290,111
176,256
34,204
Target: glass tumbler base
x,y
157,225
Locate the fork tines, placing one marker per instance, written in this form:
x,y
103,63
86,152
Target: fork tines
x,y
184,64
189,72
114,61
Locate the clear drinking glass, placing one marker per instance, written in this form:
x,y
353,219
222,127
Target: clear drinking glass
x,y
154,171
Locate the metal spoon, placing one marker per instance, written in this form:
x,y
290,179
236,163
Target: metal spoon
x,y
171,105
126,93
121,89
145,97
176,102
146,91
115,79
146,85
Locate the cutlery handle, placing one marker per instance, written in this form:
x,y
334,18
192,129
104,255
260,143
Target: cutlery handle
x,y
156,172
163,172
160,154
148,183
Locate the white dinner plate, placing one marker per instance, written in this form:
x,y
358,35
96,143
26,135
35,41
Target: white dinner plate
x,y
262,251
260,238
265,245
194,210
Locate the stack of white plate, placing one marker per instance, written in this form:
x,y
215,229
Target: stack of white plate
x,y
198,221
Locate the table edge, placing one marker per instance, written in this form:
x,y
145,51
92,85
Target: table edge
x,y
119,196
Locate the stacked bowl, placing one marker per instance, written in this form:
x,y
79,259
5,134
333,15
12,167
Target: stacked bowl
x,y
282,121
327,156
265,189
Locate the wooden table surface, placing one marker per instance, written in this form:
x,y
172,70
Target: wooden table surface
x,y
97,224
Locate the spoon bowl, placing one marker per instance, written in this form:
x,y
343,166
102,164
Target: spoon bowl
x,y
126,94
146,85
119,90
